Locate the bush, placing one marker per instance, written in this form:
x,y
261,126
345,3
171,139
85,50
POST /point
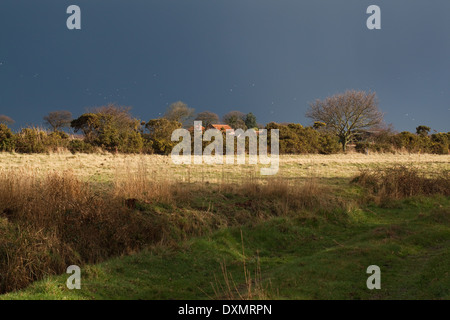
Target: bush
x,y
35,140
440,143
7,141
401,181
56,140
296,139
373,147
148,147
48,223
406,140
130,142
160,133
329,144
80,146
111,128
386,141
59,135
412,142
31,140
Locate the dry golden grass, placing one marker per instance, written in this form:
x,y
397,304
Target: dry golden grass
x,y
62,209
107,167
400,181
49,220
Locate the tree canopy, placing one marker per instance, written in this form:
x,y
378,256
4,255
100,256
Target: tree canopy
x,y
207,118
111,127
57,120
250,121
160,133
5,119
179,111
423,130
347,113
235,119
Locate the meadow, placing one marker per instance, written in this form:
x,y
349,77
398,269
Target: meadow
x,y
105,167
141,227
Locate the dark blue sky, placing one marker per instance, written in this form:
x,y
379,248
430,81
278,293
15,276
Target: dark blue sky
x,y
268,57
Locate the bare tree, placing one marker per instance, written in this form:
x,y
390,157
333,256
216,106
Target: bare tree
x,y
347,113
5,119
235,119
207,118
179,111
58,119
120,116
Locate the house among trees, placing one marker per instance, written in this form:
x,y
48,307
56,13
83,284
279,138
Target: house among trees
x,y
220,127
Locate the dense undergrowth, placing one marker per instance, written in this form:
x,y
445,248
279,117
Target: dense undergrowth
x,y
48,222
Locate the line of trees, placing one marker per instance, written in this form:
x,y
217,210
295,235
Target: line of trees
x,y
350,118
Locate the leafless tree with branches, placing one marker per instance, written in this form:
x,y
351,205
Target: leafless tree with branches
x,y
207,118
179,111
58,119
347,114
5,119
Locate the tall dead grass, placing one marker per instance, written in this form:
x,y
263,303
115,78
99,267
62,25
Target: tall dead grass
x,y
309,194
400,181
50,221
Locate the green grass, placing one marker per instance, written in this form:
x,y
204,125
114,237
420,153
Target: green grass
x,y
303,256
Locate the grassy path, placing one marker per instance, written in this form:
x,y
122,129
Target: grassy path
x,y
299,257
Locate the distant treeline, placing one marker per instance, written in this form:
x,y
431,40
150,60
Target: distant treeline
x,y
351,119
419,142
113,129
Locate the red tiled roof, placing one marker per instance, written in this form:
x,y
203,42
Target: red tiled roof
x,y
223,127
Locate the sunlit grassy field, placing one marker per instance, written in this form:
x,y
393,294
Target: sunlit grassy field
x,y
105,167
142,227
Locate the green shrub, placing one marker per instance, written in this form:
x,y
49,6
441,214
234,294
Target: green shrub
x,y
363,147
440,143
56,140
296,139
60,135
111,128
436,143
160,133
7,141
79,146
329,144
130,142
35,140
31,140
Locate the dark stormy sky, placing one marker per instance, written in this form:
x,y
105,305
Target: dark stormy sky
x,y
268,57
